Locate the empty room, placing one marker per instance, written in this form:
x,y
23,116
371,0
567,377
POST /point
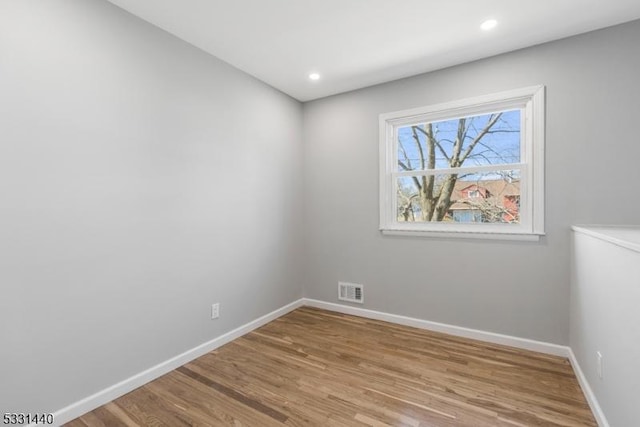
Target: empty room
x,y
322,213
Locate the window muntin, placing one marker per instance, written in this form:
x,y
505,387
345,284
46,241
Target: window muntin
x,y
470,166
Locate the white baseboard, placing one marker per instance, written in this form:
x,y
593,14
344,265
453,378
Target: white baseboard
x,y
588,392
100,398
96,400
523,343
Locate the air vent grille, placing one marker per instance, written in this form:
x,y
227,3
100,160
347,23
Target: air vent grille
x,y
351,292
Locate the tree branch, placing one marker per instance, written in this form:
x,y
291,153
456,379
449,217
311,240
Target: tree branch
x,y
406,157
431,136
417,141
457,145
414,178
492,121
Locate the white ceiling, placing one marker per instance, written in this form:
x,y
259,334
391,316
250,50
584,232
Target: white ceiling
x,y
358,43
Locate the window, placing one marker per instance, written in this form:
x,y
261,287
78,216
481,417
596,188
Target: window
x,y
469,168
467,215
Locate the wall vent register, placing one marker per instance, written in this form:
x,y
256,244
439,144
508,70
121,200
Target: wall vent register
x,y
351,292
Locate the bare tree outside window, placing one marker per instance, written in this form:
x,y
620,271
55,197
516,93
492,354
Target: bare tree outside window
x,y
460,196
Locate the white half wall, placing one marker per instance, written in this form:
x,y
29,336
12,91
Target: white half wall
x,y
605,292
141,180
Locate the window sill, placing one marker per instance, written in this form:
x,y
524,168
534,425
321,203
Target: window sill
x,y
463,235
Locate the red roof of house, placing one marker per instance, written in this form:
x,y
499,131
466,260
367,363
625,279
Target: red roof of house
x,y
496,189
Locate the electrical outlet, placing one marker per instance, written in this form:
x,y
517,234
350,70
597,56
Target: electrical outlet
x,y
599,363
215,310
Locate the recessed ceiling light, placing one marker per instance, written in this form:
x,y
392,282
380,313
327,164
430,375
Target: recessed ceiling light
x,y
314,76
489,24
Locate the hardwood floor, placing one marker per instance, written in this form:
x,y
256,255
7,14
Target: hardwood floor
x,y
319,368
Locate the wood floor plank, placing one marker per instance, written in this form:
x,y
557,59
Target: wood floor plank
x,y
319,368
231,393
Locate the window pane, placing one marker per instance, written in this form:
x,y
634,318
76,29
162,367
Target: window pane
x,y
488,139
483,197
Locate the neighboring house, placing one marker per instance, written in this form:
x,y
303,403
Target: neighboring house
x,y
486,201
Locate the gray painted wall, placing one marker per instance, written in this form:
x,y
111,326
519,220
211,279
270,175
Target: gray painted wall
x,y
141,180
515,288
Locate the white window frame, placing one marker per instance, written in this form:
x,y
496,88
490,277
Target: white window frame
x,y
531,102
